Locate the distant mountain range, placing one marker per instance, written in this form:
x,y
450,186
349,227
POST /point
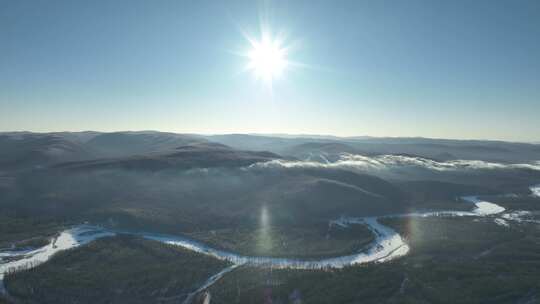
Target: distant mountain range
x,y
26,149
188,182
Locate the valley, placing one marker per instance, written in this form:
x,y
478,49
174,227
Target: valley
x,y
251,212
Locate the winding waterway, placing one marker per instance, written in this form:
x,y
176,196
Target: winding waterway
x,y
388,244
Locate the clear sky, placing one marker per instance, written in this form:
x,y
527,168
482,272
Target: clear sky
x,y
453,69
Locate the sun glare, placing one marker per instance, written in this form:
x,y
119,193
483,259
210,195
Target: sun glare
x,y
267,58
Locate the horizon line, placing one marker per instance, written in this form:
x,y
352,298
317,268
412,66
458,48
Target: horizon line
x,y
283,135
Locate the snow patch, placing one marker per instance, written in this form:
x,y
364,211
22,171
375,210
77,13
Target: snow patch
x,y
520,216
484,207
535,190
501,222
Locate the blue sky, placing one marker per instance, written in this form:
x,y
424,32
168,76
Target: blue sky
x,y
453,69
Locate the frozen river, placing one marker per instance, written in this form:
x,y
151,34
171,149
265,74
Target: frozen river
x,y
388,244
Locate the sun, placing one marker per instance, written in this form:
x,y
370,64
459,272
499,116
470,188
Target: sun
x,y
267,58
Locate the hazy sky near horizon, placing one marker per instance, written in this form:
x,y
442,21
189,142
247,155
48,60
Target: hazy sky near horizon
x,y
453,69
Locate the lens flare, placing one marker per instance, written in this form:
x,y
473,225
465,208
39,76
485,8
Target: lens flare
x,y
267,58
264,235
